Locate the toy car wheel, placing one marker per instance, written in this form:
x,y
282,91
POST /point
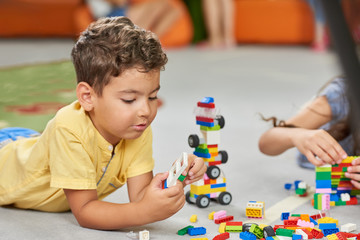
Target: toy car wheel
x,y
225,198
221,121
187,197
202,201
224,156
213,172
193,140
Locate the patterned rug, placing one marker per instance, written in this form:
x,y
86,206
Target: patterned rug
x,y
31,95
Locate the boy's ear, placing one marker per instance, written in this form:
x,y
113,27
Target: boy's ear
x,y
85,93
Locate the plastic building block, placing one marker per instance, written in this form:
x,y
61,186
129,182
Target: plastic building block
x,y
257,231
184,230
211,215
284,216
332,237
317,233
233,228
284,232
222,236
224,219
349,227
297,237
193,218
247,226
196,231
132,235
219,214
176,170
222,227
144,235
247,236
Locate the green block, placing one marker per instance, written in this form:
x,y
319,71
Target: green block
x,y
181,177
355,192
284,232
296,215
215,128
340,203
323,169
202,150
323,175
184,230
257,231
300,191
233,228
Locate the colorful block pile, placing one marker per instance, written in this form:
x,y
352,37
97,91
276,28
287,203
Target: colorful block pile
x,y
332,187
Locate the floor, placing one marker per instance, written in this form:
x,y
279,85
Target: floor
x,y
244,81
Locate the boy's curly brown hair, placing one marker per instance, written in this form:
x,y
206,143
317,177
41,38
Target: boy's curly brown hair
x,y
109,46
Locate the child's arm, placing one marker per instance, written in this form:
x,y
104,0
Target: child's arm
x,y
354,173
309,140
156,204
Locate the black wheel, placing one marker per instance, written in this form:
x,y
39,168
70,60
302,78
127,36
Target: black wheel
x,y
193,140
269,232
224,156
202,201
246,227
213,172
187,197
225,198
221,121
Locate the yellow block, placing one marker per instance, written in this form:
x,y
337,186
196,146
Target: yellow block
x,y
222,227
193,218
211,215
205,189
253,212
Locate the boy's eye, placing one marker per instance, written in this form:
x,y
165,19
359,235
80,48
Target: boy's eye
x,y
128,101
153,98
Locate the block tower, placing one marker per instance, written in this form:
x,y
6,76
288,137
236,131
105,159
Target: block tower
x,y
332,187
213,185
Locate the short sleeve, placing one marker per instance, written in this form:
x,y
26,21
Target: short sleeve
x,y
335,92
141,150
70,165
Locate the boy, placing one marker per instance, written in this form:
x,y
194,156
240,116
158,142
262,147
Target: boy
x,y
101,141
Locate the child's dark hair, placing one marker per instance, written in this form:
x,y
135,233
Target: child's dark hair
x,y
110,46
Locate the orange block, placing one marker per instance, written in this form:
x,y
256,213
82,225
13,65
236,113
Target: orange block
x,y
273,21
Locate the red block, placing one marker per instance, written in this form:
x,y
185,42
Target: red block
x,y
224,219
317,234
214,163
234,224
353,201
204,119
222,236
290,222
206,105
341,236
310,235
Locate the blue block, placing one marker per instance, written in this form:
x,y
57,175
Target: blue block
x,y
334,197
313,221
327,226
206,124
297,237
287,186
202,155
207,100
197,231
247,236
219,185
296,183
285,216
330,231
323,184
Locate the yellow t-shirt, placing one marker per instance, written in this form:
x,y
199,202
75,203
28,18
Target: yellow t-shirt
x,y
69,154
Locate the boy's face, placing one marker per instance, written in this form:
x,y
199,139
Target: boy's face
x,y
127,106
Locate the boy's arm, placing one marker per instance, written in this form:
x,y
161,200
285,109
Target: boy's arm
x,y
137,185
309,140
156,204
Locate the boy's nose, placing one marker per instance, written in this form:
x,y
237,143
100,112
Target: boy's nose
x,y
145,109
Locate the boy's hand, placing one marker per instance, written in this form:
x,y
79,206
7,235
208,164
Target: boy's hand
x,y
354,173
159,204
318,146
195,170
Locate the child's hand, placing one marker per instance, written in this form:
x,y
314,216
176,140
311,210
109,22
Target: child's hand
x,y
318,146
195,169
159,204
354,173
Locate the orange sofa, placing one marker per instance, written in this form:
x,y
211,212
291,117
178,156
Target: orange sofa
x,y
273,21
43,18
67,18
